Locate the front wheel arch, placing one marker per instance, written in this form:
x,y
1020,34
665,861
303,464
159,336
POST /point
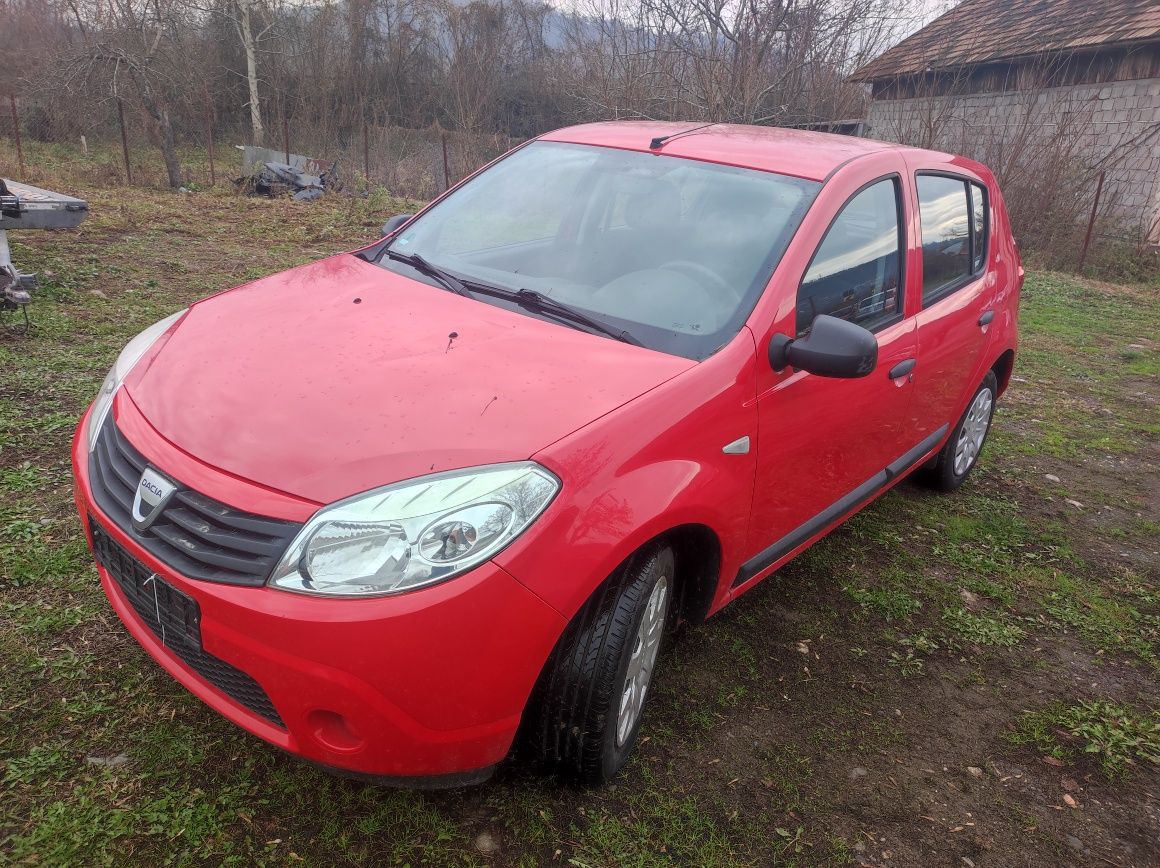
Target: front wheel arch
x,y
569,727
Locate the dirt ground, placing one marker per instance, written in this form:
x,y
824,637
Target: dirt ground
x,y
966,680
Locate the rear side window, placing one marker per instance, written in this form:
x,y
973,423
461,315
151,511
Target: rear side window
x,y
953,218
856,273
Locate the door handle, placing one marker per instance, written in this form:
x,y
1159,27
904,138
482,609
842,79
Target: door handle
x,y
902,369
985,319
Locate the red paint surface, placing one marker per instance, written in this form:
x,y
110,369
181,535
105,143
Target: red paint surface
x,y
284,395
289,383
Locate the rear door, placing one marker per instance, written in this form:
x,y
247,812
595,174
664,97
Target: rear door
x,y
957,295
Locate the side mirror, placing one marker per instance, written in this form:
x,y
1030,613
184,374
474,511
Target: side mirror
x,y
833,348
395,222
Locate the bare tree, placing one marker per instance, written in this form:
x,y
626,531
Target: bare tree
x,y
1044,143
748,61
247,10
488,70
133,53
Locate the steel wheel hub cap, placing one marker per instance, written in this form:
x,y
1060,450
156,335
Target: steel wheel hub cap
x,y
974,432
644,656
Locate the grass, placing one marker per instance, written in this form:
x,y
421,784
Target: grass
x,y
983,629
890,603
1110,622
1118,736
910,639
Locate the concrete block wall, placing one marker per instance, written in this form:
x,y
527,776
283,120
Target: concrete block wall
x,y
1115,126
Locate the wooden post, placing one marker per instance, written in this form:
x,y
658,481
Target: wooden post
x,y
16,132
446,168
209,135
124,141
1087,239
286,136
366,152
385,148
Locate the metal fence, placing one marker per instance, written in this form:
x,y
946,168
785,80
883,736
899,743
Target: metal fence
x,y
121,149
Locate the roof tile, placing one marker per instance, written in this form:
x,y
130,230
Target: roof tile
x,y
978,31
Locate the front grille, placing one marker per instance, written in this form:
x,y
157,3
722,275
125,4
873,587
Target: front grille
x,y
198,537
175,618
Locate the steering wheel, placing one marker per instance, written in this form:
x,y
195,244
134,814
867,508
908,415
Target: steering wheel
x,y
704,274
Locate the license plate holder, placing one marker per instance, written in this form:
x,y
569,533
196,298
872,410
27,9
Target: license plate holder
x,y
173,615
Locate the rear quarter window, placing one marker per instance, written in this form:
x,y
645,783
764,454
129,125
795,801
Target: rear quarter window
x,y
980,227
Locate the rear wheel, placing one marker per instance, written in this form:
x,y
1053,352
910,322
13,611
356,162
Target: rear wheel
x,y
587,711
961,451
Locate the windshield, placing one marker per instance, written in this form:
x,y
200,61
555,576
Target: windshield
x,y
673,251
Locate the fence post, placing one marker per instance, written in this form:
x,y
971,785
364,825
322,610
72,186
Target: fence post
x,y
16,131
209,134
1087,239
366,152
446,168
286,137
124,141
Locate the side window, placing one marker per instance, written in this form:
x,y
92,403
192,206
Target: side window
x,y
856,272
979,228
952,213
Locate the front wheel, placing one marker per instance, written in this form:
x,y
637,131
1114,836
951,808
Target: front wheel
x,y
588,706
961,451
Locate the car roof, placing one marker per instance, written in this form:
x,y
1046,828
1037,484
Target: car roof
x,y
800,153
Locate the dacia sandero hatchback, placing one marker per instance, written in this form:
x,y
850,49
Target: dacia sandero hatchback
x,y
392,509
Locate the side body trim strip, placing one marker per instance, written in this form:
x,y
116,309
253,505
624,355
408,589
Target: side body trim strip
x,y
843,506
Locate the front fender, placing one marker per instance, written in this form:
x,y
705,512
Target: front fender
x,y
650,466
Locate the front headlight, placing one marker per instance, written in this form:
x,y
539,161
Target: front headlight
x,y
129,357
414,533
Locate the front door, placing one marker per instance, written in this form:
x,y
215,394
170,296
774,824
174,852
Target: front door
x,y
824,444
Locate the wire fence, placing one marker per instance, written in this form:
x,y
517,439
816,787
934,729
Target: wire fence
x,y
113,144
119,148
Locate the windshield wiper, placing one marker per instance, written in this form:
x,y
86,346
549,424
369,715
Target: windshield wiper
x,y
537,302
528,299
449,281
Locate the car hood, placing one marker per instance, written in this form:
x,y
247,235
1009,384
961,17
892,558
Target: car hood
x,y
340,376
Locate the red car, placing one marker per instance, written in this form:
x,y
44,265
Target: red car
x,y
391,509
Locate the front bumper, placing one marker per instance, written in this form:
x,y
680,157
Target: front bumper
x,y
427,687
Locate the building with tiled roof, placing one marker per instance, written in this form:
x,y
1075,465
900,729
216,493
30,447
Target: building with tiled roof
x,y
1004,80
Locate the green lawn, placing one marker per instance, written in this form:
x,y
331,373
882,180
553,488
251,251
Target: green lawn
x,y
888,698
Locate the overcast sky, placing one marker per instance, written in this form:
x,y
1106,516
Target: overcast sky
x,y
922,12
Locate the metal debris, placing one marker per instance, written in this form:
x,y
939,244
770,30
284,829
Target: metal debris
x,y
304,179
23,206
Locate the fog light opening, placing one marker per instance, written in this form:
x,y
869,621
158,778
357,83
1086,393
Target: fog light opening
x,y
332,731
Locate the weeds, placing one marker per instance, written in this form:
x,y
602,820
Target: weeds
x,y
920,643
908,665
1110,623
983,629
894,605
1117,735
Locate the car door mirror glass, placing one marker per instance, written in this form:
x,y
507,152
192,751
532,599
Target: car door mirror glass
x,y
832,348
395,222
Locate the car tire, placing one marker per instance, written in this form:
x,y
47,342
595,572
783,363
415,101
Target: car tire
x,y
584,724
960,453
